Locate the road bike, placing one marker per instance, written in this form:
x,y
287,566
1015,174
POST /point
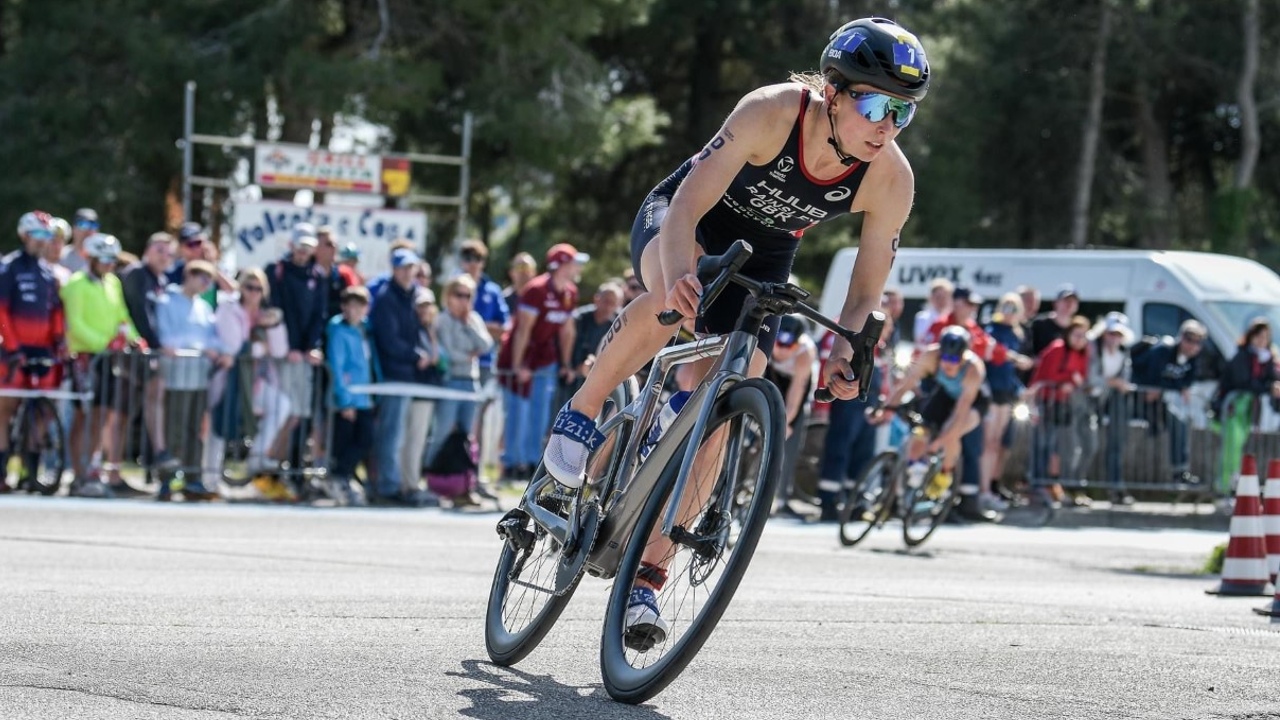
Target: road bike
x,y
887,488
35,432
681,499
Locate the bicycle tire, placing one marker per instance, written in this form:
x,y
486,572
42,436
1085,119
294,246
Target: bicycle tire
x,y
627,683
924,514
40,419
879,476
508,646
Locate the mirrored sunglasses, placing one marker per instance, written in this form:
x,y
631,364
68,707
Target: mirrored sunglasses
x,y
86,225
876,107
41,234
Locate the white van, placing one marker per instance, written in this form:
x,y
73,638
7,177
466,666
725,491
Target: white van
x,y
1156,289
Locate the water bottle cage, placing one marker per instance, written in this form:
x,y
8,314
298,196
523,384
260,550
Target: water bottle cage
x,y
573,424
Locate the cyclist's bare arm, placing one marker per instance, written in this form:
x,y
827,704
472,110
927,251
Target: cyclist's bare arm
x,y
925,365
885,197
754,132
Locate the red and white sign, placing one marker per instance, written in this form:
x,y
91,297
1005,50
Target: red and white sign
x,y
297,166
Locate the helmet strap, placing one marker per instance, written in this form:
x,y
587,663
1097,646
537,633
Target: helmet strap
x,y
845,159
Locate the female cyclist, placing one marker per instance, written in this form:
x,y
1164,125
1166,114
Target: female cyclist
x,y
788,157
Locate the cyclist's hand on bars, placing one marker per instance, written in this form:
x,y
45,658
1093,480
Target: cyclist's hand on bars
x,y
684,293
838,376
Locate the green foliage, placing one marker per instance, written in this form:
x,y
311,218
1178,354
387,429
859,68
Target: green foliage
x,y
1213,564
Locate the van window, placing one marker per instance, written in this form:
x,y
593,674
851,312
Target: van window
x,y
1161,319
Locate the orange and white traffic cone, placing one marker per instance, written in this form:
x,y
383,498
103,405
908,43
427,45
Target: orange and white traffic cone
x,y
1271,526
1244,570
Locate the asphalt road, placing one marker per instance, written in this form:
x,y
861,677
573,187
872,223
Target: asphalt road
x,y
139,610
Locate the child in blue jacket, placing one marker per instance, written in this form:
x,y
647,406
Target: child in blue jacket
x,y
351,362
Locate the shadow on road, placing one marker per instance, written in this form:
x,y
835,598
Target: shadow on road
x,y
517,695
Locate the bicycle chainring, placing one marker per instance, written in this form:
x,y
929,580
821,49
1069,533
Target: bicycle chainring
x,y
573,561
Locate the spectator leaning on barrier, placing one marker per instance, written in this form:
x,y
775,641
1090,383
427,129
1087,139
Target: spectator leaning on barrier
x,y
395,332
31,326
1165,374
301,296
1050,326
83,224
464,340
247,399
1110,372
489,302
352,361
99,329
190,348
940,298
426,371
535,353
143,284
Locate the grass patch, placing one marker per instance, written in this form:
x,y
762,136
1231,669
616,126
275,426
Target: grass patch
x,y
1213,565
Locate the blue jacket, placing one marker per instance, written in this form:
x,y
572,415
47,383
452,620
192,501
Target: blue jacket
x,y
395,332
1003,377
303,298
351,362
492,308
1159,367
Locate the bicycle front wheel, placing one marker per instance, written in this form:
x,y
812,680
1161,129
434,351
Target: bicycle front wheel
x,y
870,499
925,508
523,602
703,569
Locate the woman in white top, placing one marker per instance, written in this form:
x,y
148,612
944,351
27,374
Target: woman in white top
x,y
1109,371
243,318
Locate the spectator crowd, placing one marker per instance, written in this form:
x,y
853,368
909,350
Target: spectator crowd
x,y
194,371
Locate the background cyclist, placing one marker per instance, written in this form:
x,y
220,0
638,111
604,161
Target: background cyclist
x,y
954,407
788,157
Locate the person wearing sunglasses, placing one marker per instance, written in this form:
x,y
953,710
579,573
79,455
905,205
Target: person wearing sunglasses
x,y
788,157
951,410
83,224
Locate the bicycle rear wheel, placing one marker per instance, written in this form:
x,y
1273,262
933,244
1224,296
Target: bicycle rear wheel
x,y
870,499
41,446
923,512
703,571
523,602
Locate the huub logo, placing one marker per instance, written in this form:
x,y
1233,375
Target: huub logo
x,y
840,193
785,165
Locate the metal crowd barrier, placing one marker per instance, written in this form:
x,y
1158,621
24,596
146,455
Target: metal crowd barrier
x,y
1142,440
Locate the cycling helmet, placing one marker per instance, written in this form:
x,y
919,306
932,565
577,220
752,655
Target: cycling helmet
x,y
37,223
953,342
62,229
880,53
350,251
102,247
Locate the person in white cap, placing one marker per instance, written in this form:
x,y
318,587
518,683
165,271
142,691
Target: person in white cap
x,y
1110,372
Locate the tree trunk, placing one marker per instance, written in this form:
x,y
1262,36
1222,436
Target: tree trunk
x,y
1249,139
1156,221
1092,129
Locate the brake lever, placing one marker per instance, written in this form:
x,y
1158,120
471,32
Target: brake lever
x,y
864,348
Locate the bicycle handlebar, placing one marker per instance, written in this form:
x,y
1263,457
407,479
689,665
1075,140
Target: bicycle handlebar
x,y
725,269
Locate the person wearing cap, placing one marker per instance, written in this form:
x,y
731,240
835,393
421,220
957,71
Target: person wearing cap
x,y
303,298
1052,325
349,264
190,349
352,361
535,353
62,234
394,323
83,224
194,244
421,413
794,369
376,283
32,324
1110,383
98,321
1165,374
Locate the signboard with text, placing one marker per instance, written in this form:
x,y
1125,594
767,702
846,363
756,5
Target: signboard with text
x,y
297,166
262,230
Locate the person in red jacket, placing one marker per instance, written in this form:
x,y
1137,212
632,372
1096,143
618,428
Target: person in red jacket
x,y
1060,374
